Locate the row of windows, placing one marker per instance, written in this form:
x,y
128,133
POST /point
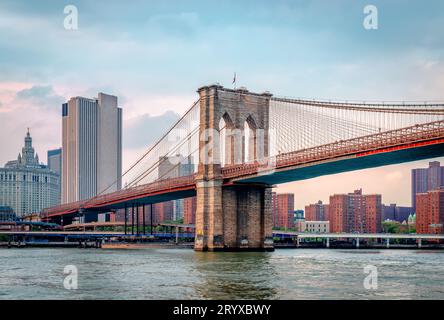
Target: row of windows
x,y
33,178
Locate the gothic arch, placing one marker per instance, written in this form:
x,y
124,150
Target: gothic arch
x,y
250,140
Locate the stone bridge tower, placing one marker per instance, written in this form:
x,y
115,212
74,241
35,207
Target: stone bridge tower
x,y
233,129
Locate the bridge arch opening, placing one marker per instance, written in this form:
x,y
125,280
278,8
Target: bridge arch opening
x,y
250,140
227,140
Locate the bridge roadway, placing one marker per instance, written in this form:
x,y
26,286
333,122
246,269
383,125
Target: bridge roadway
x,y
122,224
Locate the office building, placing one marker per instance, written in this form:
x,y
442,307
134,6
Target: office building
x,y
426,179
91,147
55,160
26,185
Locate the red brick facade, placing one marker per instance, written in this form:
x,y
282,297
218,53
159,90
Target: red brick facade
x,y
430,212
189,210
285,210
355,212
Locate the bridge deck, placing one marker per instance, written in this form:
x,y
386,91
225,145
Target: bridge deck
x,y
391,147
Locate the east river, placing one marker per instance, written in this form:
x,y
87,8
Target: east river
x,y
32,273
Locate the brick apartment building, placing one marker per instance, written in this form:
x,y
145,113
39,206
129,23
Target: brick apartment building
x,y
355,212
430,212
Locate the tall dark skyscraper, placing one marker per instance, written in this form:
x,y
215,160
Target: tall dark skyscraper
x,y
426,179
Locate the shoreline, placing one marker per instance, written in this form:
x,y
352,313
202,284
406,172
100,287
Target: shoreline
x,y
167,245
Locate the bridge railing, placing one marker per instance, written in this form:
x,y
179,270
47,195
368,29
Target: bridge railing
x,y
417,133
387,107
124,194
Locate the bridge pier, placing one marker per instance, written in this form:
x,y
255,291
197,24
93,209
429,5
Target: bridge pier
x,y
235,216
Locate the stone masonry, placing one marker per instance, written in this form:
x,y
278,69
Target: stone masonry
x,y
232,216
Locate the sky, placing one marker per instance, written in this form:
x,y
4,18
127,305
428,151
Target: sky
x,y
154,55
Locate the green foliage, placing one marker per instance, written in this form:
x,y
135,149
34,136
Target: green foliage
x,y
396,227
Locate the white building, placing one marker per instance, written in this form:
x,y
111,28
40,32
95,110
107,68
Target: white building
x,y
91,147
315,226
26,185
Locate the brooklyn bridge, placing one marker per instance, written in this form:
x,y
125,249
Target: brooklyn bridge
x,y
236,145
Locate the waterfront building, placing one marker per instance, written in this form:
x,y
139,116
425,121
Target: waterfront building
x,y
338,213
426,179
315,226
317,212
26,185
91,147
355,212
430,212
284,210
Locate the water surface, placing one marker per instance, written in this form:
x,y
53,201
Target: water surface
x,y
32,273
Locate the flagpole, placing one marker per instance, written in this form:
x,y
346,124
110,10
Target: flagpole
x,y
234,81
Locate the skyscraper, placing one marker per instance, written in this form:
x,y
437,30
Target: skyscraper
x,y
91,148
426,179
55,164
55,160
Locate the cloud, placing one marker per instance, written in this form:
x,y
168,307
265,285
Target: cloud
x,y
40,96
145,130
